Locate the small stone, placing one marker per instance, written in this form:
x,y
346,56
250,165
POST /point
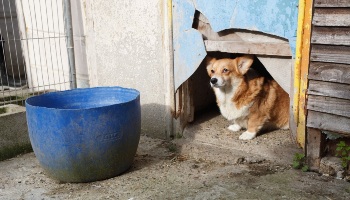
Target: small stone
x,y
331,166
340,174
240,160
347,178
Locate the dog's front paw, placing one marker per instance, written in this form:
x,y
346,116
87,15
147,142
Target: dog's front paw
x,y
234,127
247,135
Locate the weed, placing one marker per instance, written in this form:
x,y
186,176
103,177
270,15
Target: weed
x,y
179,135
299,162
305,168
2,110
172,147
343,151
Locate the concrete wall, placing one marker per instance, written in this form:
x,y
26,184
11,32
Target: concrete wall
x,y
14,138
125,47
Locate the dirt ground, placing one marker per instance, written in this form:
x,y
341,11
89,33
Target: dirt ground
x,y
208,162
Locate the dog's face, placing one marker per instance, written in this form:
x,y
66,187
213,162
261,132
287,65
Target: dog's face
x,y
226,72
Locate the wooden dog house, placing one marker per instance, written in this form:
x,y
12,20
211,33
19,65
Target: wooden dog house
x,y
266,29
307,46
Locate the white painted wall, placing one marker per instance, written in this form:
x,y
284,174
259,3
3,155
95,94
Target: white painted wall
x,y
126,47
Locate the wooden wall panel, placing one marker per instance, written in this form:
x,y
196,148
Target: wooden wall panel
x,y
324,121
331,35
329,105
332,3
329,89
330,53
328,102
330,72
331,17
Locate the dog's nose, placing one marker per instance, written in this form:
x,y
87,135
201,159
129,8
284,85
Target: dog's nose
x,y
213,80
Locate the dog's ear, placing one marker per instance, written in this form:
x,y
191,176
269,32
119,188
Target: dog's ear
x,y
244,63
209,61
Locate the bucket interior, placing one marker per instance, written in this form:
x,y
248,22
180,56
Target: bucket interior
x,y
84,98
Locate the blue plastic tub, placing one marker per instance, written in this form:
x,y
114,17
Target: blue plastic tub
x,y
85,135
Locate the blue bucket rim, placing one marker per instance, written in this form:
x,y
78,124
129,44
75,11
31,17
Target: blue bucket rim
x,y
73,90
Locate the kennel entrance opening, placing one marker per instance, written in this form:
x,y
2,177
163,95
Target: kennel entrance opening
x,y
230,26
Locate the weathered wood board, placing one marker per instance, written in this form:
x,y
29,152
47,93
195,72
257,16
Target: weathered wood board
x,y
329,89
330,53
331,17
315,143
329,105
325,121
332,3
330,72
261,48
331,35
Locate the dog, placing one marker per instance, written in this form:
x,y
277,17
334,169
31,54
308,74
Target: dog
x,y
252,101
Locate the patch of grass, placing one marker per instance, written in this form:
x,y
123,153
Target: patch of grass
x,y
347,190
299,162
179,135
2,110
343,151
14,100
172,147
10,152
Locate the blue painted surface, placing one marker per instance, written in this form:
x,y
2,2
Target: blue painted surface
x,y
85,135
189,49
275,17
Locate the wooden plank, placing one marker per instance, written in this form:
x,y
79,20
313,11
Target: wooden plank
x,y
328,122
330,53
329,89
202,25
332,3
261,48
331,35
302,60
331,17
329,105
330,72
315,144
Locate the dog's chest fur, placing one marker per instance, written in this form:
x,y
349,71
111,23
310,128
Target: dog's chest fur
x,y
227,107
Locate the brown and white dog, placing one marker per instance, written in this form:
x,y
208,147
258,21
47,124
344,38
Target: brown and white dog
x,y
250,100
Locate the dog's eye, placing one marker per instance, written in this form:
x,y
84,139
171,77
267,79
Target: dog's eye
x,y
212,71
225,70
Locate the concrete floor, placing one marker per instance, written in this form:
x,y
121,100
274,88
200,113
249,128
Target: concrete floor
x,y
208,162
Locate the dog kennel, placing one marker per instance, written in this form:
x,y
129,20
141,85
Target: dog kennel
x,y
267,29
304,45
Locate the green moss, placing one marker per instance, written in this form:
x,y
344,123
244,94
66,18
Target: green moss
x,y
2,110
172,147
10,152
14,99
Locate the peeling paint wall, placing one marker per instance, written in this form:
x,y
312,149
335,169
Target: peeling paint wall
x,y
124,48
274,17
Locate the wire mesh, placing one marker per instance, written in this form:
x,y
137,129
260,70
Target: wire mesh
x,y
33,49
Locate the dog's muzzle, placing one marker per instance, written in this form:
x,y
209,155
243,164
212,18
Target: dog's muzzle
x,y
213,81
